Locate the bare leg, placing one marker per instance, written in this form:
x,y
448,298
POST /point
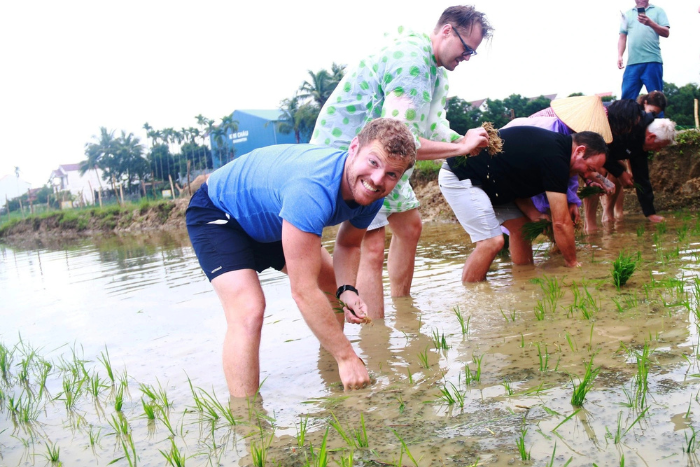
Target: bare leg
x,y
590,209
610,201
326,282
479,261
406,228
620,203
244,305
369,274
520,249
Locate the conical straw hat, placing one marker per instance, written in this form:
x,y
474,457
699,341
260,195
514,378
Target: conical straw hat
x,y
584,113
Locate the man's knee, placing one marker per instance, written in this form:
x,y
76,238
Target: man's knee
x,y
408,228
491,245
373,246
247,319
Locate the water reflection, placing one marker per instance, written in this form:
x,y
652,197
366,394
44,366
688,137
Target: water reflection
x,y
145,298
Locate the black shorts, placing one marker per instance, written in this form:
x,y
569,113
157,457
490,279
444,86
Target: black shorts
x,y
221,244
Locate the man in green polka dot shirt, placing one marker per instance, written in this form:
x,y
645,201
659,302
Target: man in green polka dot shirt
x,y
407,80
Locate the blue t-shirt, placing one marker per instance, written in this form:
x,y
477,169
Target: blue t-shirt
x,y
299,183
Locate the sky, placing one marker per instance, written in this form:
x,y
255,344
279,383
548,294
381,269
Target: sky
x,y
69,68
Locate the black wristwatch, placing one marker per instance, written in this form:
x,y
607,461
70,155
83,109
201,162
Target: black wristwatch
x,y
343,288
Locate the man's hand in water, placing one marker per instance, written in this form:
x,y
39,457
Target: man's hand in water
x,y
353,373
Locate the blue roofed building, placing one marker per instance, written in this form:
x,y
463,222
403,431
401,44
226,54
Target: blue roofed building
x,y
256,129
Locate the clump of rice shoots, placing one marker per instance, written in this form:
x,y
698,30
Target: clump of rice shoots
x,y
623,268
587,191
341,310
495,142
531,230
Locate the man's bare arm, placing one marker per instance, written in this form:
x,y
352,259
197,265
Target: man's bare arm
x,y
563,227
302,253
621,46
346,261
470,144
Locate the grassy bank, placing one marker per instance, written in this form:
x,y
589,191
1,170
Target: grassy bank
x,y
145,214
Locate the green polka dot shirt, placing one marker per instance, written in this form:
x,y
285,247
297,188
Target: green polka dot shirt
x,y
402,81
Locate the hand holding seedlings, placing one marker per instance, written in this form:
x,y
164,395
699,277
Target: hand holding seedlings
x,y
475,140
355,309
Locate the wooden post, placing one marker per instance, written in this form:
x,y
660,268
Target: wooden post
x,y
121,192
99,196
189,188
92,192
7,205
697,122
172,187
153,179
29,198
21,208
114,188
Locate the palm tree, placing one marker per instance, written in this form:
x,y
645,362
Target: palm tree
x,y
317,88
103,147
337,74
297,118
228,126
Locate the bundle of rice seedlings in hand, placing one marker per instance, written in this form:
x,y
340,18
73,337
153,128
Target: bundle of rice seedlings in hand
x,y
587,191
495,142
638,187
532,230
622,270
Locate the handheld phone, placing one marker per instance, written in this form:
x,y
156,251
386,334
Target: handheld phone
x,y
640,10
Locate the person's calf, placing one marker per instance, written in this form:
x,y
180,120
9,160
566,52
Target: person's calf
x,y
479,261
369,274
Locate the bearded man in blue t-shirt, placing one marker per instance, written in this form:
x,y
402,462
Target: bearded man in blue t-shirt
x,y
267,209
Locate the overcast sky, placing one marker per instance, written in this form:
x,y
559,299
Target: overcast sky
x,y
70,67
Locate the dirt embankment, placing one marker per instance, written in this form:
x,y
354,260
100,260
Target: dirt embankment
x,y
162,215
675,176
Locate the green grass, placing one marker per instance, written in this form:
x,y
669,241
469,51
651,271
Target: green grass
x,y
587,191
423,359
439,340
174,457
427,170
532,230
464,325
584,384
301,430
79,219
520,444
623,268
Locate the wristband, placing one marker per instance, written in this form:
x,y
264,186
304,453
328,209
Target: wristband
x,y
343,288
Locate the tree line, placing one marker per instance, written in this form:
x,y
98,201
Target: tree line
x,y
299,112
124,160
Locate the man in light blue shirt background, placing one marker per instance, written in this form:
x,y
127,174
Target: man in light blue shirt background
x,y
641,27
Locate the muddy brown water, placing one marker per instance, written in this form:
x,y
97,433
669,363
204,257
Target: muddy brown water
x,y
145,300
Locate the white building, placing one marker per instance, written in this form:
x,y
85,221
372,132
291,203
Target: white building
x,y
67,177
12,187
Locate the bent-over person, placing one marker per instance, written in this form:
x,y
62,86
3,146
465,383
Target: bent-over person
x,y
486,191
267,209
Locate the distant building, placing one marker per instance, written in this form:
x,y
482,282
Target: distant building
x,y
67,178
256,129
12,187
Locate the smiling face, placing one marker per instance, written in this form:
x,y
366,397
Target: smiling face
x,y
449,49
370,174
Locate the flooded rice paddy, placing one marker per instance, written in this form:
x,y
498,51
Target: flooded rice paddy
x,y
111,351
